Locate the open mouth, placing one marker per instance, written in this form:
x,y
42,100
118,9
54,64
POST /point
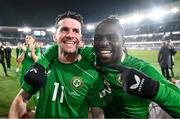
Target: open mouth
x,y
105,53
69,42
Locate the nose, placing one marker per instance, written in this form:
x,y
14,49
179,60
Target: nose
x,y
105,42
70,34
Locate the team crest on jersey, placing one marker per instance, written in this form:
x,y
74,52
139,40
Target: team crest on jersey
x,y
119,80
77,82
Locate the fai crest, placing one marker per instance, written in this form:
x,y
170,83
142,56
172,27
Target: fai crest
x,y
76,82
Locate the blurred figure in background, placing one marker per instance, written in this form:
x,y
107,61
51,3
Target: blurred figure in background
x,y
28,54
2,53
42,47
173,52
8,55
165,59
19,45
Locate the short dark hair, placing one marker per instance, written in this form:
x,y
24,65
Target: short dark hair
x,y
69,14
111,21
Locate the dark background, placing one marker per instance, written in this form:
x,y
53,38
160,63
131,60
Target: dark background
x,y
38,13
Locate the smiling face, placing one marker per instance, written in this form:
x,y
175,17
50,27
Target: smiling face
x,y
108,42
68,35
29,40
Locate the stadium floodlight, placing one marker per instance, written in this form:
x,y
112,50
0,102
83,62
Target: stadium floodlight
x,y
90,27
157,14
25,29
122,20
52,29
136,18
174,10
150,35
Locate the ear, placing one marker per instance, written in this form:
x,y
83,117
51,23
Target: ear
x,y
54,37
81,44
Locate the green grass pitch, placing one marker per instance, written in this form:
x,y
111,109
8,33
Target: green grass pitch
x,y
9,86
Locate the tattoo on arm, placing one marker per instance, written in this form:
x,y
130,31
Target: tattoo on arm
x,y
97,112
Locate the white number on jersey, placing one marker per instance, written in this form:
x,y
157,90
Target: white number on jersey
x,y
56,87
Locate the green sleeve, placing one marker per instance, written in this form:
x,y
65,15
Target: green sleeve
x,y
88,53
48,56
26,87
168,99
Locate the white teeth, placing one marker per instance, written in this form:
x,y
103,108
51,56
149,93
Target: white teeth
x,y
69,42
105,52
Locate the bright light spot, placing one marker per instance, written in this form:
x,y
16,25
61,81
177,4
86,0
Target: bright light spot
x,y
25,29
37,33
174,10
157,14
136,18
90,27
52,29
150,35
122,21
43,33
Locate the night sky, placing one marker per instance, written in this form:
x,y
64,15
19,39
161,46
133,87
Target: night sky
x,y
38,13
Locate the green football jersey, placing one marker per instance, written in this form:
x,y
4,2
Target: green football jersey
x,y
119,103
69,91
27,62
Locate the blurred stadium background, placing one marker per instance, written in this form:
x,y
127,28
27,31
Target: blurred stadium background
x,y
144,33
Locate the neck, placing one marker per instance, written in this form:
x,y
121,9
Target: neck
x,y
68,58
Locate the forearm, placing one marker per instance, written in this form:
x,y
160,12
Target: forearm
x,y
34,56
17,110
169,99
18,106
97,113
21,57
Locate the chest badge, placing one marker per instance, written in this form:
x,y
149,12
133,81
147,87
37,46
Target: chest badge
x,y
77,82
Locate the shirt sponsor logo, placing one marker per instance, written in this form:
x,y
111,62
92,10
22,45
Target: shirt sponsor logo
x,y
34,70
138,83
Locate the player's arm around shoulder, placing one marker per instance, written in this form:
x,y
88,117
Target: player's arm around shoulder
x,y
18,106
48,56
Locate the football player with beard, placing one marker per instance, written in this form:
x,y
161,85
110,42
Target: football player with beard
x,y
71,86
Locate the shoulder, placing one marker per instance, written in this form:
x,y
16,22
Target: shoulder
x,y
134,62
87,68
